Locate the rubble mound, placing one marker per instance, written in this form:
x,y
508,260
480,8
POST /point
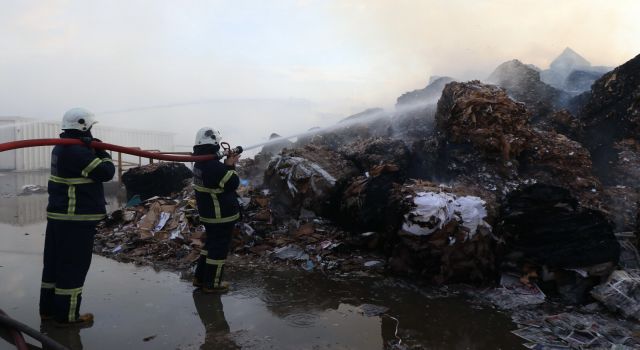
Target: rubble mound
x,y
308,178
484,116
430,94
523,83
158,179
366,154
445,236
563,65
544,225
612,113
415,110
371,123
276,147
579,81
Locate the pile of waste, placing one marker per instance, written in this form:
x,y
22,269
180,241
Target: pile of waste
x,y
161,231
159,179
519,183
523,83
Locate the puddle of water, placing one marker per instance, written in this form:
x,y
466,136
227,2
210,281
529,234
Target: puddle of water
x,y
268,307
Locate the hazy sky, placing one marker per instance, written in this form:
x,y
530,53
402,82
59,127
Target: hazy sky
x,y
283,66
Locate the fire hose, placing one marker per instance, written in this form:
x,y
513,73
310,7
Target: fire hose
x,y
111,147
16,329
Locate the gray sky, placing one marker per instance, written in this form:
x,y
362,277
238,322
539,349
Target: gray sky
x,y
255,67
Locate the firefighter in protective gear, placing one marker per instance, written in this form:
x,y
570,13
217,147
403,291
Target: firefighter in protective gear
x,y
215,185
76,205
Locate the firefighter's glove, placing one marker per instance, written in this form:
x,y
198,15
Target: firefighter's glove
x,y
87,140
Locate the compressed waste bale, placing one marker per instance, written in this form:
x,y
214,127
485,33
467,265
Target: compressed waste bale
x,y
553,158
308,178
485,116
373,202
546,226
445,235
523,83
485,137
369,153
158,179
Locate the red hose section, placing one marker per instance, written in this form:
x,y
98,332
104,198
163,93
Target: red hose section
x,y
101,145
18,339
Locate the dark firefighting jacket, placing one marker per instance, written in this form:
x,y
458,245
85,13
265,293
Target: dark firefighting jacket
x,y
75,185
215,185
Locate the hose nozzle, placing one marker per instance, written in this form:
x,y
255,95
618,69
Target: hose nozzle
x,y
227,150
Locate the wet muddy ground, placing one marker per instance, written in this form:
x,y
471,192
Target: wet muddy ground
x,y
269,307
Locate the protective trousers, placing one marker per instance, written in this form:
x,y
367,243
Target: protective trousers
x,y
212,256
68,246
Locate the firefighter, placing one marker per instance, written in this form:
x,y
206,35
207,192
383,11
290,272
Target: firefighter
x,y
76,205
215,185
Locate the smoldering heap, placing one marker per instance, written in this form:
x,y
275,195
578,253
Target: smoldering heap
x,y
519,178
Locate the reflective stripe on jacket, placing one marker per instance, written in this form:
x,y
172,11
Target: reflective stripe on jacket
x,y
75,185
215,186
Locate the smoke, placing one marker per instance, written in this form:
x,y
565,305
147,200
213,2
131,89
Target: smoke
x,y
252,68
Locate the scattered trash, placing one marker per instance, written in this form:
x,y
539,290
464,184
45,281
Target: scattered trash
x,y
32,189
574,329
514,294
373,263
151,337
371,310
620,293
291,252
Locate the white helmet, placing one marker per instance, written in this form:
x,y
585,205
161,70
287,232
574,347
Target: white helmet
x,y
78,119
208,136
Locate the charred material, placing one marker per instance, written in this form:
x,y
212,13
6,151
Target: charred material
x,y
545,226
373,202
369,153
159,179
612,113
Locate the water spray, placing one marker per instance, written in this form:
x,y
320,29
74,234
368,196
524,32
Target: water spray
x,y
227,150
346,123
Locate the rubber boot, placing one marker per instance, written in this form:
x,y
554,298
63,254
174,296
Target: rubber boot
x,y
198,276
83,321
213,272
